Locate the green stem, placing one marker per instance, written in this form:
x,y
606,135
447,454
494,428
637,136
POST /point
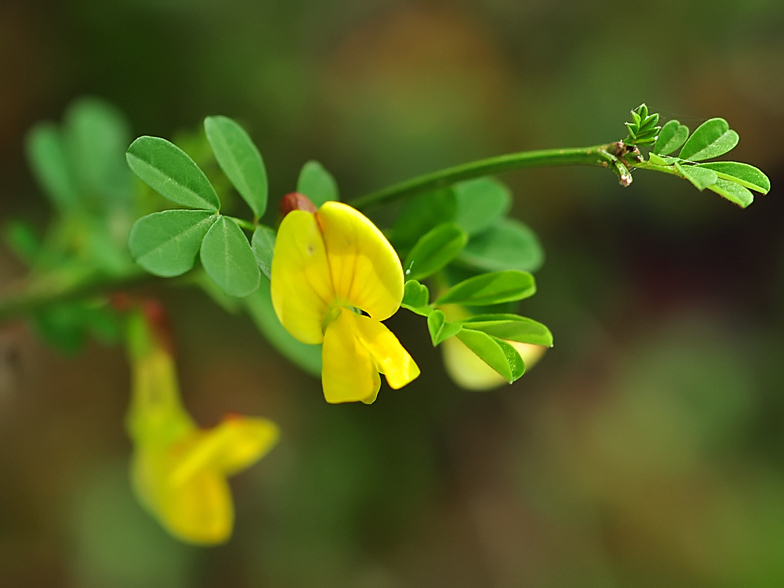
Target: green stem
x,y
599,155
243,224
43,290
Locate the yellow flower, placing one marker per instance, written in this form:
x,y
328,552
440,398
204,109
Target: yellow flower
x,y
179,470
335,277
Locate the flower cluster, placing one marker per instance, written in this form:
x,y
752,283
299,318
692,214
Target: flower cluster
x,y
335,277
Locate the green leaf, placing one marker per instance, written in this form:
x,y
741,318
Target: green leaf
x,y
317,183
434,250
700,177
498,354
744,174
510,327
263,243
665,161
239,159
480,203
711,139
97,135
50,166
422,213
441,329
168,170
733,192
416,298
259,307
509,245
672,135
493,288
228,259
166,243
22,240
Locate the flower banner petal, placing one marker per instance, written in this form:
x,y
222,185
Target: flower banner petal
x,y
366,271
301,289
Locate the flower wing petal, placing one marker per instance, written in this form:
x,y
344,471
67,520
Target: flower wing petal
x,y
233,445
366,271
198,510
301,285
349,373
389,355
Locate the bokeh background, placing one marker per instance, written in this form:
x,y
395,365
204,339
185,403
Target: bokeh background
x,y
645,450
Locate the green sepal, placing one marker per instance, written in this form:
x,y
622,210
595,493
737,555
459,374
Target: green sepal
x,y
441,329
240,160
317,183
491,288
434,250
496,353
228,259
168,170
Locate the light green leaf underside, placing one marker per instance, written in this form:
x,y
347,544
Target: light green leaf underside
x,y
700,177
744,174
733,192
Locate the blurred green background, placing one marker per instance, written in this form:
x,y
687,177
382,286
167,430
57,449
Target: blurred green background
x,y
647,448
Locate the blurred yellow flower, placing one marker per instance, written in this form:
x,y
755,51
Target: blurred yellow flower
x,y
335,277
179,470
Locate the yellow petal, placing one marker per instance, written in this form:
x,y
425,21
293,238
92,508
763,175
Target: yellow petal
x,y
366,271
348,374
301,285
468,371
156,412
199,510
232,446
389,355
